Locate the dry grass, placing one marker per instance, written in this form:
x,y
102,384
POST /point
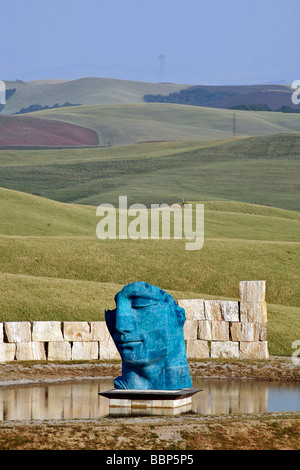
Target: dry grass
x,y
264,432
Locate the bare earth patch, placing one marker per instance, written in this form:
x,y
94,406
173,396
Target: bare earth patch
x,y
29,131
275,368
265,432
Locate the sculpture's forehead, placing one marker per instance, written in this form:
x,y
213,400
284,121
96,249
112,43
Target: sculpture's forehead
x,y
141,289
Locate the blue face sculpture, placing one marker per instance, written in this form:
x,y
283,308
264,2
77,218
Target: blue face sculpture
x,y
147,328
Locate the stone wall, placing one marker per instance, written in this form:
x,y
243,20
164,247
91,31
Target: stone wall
x,y
228,329
213,328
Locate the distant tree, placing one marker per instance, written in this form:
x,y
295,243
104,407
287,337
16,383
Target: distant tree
x,y
37,107
195,96
251,107
288,109
263,107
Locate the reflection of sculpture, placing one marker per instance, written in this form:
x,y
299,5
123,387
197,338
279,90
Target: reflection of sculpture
x,y
147,328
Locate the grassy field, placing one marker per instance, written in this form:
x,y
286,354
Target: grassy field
x,y
54,267
121,124
258,170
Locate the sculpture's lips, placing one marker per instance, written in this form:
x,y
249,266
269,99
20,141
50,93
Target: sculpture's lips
x,y
123,340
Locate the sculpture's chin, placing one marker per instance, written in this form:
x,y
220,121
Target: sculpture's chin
x,y
144,358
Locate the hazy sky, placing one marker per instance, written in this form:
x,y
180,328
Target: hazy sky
x,y
204,41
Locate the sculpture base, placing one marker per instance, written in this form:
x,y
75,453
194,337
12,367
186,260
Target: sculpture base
x,y
159,402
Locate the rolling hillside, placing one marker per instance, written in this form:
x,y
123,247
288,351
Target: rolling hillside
x,y
260,170
129,124
126,124
97,90
52,266
273,96
27,215
85,91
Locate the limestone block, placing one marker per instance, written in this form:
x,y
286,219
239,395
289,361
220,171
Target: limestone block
x,y
108,350
230,310
59,351
221,310
212,309
142,404
99,331
7,352
204,330
194,308
46,331
190,329
30,351
213,330
120,403
254,350
18,332
262,331
219,331
85,350
76,331
253,312
242,331
252,291
1,333
225,349
248,331
196,349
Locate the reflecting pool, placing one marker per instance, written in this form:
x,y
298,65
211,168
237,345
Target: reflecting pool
x,y
80,399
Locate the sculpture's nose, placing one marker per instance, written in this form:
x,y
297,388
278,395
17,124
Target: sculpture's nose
x,y
123,320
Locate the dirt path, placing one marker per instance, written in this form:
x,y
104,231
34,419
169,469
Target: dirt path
x,y
264,432
275,368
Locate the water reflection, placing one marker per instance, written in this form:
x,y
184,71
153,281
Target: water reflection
x,y
229,397
80,400
72,400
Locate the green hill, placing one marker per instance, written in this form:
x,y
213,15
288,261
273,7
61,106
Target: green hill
x,y
27,215
52,266
85,91
258,170
131,123
97,90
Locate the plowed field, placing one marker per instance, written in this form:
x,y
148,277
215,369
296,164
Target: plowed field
x,y
26,131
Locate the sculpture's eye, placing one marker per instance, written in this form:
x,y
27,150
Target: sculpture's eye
x,y
142,302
